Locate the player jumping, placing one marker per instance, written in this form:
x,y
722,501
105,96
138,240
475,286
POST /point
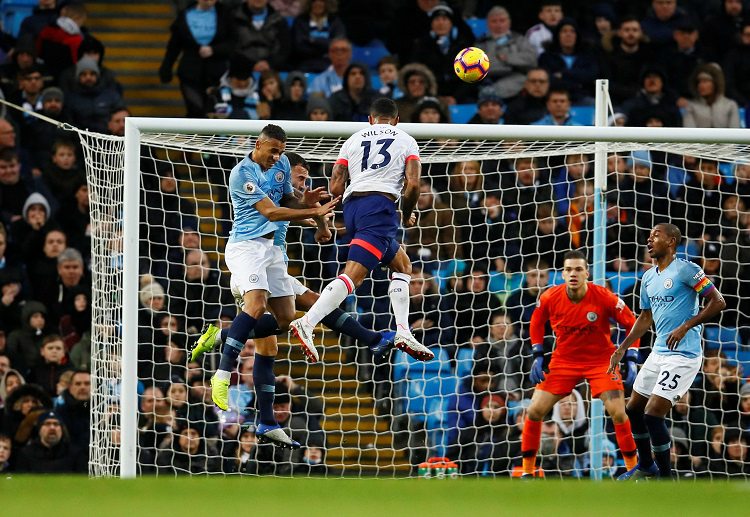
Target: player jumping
x,y
669,299
261,191
377,159
579,313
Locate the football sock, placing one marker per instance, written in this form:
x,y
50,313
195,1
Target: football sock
x,y
398,291
265,387
331,297
660,443
266,326
235,342
641,438
343,323
626,443
530,438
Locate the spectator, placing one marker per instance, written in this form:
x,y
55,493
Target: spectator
x,y
12,298
13,190
91,101
472,305
465,187
116,122
10,380
429,111
331,79
511,55
293,105
722,31
38,136
504,350
433,236
312,31
524,190
155,421
416,81
432,325
262,35
388,74
558,110
531,104
199,296
550,15
437,50
71,279
682,57
242,395
75,218
58,42
43,15
235,96
245,457
520,304
202,37
565,179
6,445
570,416
47,372
628,54
653,99
28,233
410,22
28,96
21,402
352,102
318,109
63,175
42,270
188,452
80,354
550,241
709,107
24,57
697,423
74,411
702,201
661,21
200,392
490,109
733,462
51,450
93,48
25,343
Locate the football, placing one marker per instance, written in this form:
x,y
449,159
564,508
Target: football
x,y
471,64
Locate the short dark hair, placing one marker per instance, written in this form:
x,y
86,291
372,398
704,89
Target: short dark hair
x,y
576,255
118,109
673,231
8,154
559,91
275,132
295,159
384,107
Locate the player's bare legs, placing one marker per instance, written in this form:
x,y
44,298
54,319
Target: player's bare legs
x,y
541,403
614,403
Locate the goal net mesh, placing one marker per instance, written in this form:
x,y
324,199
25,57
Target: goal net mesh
x,y
493,222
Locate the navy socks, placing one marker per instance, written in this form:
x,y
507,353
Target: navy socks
x,y
265,387
235,340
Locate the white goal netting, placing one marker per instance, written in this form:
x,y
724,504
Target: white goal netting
x,y
494,220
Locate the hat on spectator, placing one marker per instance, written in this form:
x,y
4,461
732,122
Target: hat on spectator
x,y
488,96
604,10
87,64
428,102
711,250
9,275
686,24
47,415
183,424
35,199
641,158
149,291
440,10
240,67
318,103
497,399
53,92
282,394
679,436
745,390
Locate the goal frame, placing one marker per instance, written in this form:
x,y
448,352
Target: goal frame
x,y
136,126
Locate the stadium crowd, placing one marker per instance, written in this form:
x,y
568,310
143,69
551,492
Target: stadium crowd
x,y
489,237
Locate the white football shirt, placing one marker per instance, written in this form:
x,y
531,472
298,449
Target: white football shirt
x,y
376,157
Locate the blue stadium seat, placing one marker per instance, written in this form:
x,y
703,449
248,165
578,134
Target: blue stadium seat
x,y
447,269
743,119
464,361
405,367
461,113
688,250
583,115
478,26
13,13
441,416
726,339
422,394
555,277
623,281
369,54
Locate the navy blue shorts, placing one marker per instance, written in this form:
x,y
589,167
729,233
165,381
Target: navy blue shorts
x,y
372,222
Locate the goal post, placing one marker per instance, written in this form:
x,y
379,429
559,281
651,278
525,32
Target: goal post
x,y
319,142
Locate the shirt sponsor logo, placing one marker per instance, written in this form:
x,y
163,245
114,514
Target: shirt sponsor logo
x,y
668,283
592,316
661,299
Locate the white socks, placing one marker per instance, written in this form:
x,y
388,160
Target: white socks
x,y
398,291
331,297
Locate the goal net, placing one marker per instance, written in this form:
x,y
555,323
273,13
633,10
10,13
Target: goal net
x,y
498,209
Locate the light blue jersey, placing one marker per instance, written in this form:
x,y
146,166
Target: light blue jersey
x,y
672,297
279,238
248,184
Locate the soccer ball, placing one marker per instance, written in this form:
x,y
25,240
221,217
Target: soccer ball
x,y
471,64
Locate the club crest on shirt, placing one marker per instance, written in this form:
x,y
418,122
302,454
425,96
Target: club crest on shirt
x,y
253,279
250,187
592,316
668,283
279,177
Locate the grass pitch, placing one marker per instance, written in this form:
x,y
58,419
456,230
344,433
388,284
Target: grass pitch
x,y
218,497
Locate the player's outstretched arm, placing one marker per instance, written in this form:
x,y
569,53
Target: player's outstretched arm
x,y
413,173
279,213
714,305
642,324
339,177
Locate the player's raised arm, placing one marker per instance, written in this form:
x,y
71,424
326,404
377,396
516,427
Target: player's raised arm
x,y
270,211
412,173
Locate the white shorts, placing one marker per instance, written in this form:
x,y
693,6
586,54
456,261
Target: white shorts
x,y
668,376
298,287
257,264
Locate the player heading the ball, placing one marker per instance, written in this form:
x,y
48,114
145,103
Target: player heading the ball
x,y
579,313
669,299
380,163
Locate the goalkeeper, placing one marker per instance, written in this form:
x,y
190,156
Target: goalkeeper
x,y
579,314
